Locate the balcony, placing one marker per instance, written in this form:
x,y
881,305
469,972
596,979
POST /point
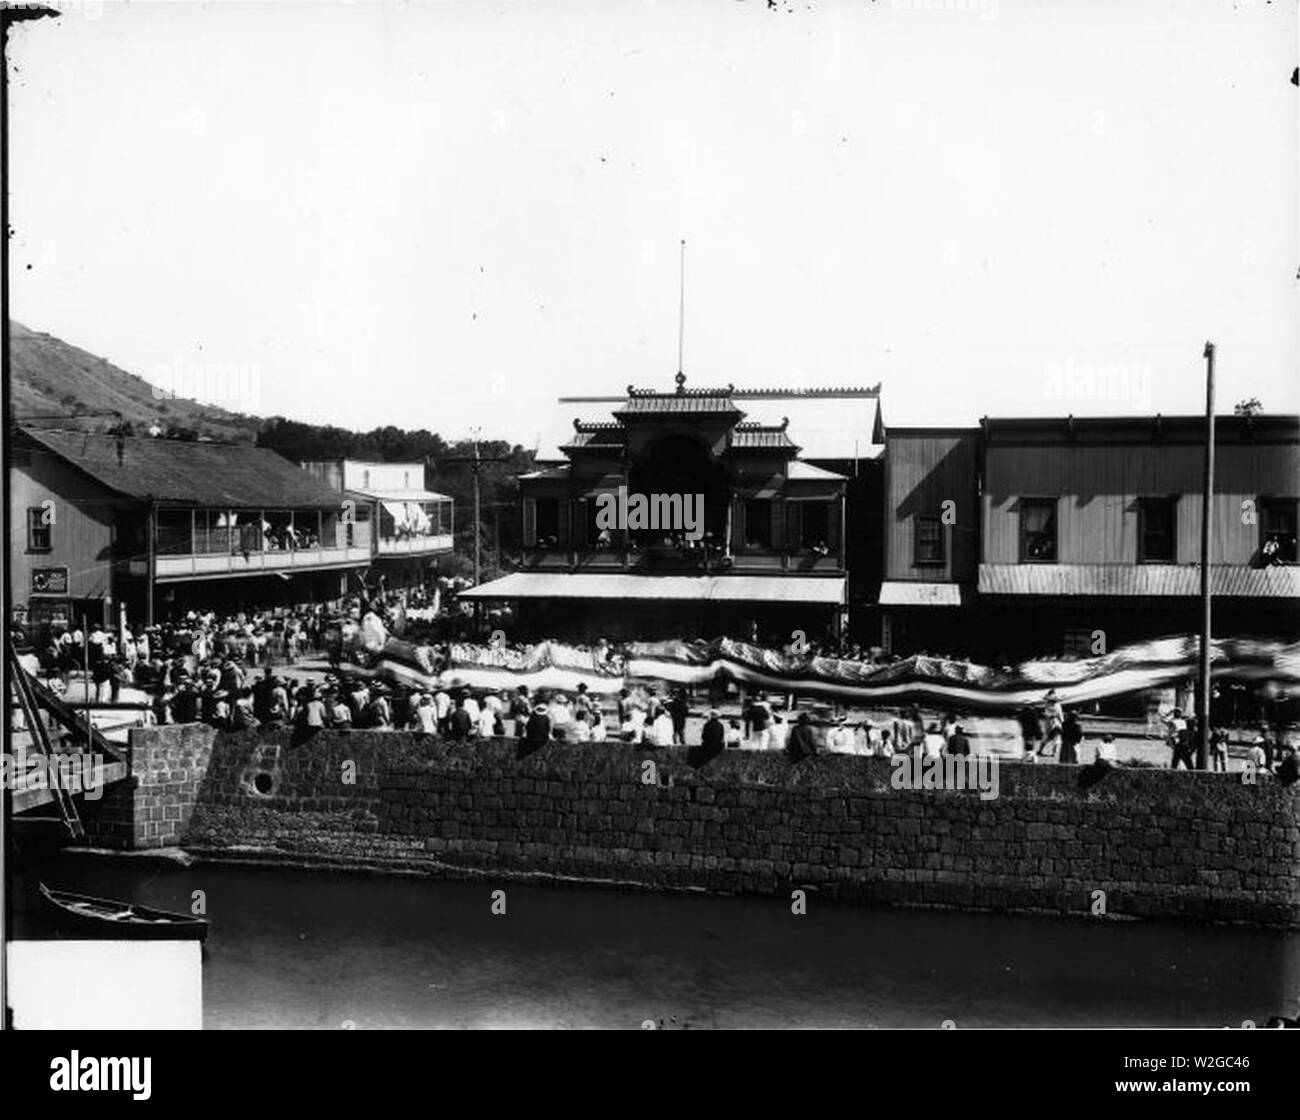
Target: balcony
x,y
673,560
415,545
220,565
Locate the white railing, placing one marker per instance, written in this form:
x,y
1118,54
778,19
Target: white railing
x,y
438,542
196,566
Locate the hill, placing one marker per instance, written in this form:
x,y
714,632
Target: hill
x,y
51,379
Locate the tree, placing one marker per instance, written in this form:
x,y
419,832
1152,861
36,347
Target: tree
x,y
1248,407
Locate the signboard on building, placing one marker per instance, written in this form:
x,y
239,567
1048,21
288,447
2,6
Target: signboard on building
x,y
49,581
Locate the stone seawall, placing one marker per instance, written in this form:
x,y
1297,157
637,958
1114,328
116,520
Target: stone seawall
x,y
1158,844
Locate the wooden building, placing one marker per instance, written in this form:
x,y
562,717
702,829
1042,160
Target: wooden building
x,y
101,525
1088,533
775,474
413,527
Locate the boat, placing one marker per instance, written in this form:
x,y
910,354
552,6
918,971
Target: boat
x,y
102,918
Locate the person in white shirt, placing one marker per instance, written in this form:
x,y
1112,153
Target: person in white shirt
x,y
661,731
487,722
579,730
442,704
777,734
735,737
841,737
598,732
425,719
933,741
560,712
471,706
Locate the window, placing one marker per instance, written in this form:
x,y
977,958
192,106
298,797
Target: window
x,y
1277,524
38,529
548,522
1156,530
1038,530
927,540
758,523
365,480
815,526
406,479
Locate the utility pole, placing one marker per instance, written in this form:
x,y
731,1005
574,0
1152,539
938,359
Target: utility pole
x,y
1207,491
476,463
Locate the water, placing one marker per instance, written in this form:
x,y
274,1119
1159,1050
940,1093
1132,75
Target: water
x,y
291,948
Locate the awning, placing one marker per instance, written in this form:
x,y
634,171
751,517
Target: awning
x,y
413,495
910,593
716,589
1229,581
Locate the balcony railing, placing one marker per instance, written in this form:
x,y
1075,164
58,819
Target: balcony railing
x,y
668,559
407,546
209,565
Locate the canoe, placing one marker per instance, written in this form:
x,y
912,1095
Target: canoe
x,y
105,918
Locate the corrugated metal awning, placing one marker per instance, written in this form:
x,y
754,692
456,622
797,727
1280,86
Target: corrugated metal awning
x,y
717,589
1233,581
910,593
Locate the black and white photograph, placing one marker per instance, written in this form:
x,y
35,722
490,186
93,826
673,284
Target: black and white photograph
x,y
654,515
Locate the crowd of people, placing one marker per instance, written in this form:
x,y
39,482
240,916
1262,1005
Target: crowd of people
x,y
240,671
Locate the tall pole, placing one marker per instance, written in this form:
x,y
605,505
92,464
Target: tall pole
x,y
1207,491
681,312
477,528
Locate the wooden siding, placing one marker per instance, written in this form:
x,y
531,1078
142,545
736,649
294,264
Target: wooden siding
x,y
923,469
1098,488
81,537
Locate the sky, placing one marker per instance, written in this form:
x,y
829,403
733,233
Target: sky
x,y
447,215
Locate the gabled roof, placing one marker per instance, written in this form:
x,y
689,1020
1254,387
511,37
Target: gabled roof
x,y
826,424
179,472
689,402
762,437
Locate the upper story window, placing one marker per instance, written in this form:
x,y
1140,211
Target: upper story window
x,y
1157,518
1277,529
758,523
1038,530
365,480
927,540
406,479
38,530
548,522
815,526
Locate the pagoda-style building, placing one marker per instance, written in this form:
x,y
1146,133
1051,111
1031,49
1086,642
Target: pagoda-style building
x,y
772,475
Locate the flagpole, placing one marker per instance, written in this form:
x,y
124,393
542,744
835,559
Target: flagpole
x,y
1207,493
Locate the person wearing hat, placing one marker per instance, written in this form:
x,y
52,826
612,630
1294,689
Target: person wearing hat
x,y
538,730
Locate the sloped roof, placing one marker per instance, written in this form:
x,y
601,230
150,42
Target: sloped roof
x,y
676,404
1234,581
184,473
826,424
753,437
731,589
